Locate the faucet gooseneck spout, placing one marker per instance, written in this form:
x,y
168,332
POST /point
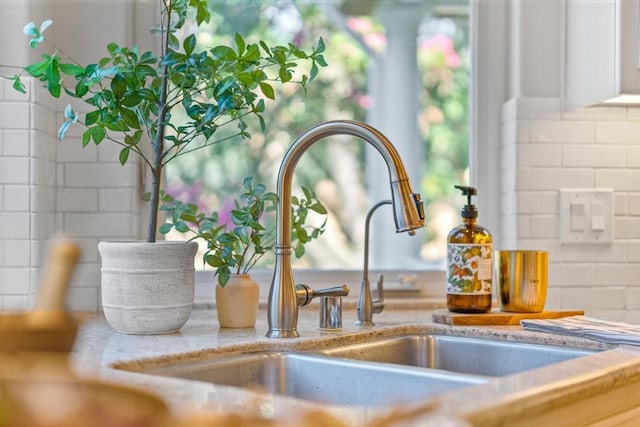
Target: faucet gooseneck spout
x,y
408,213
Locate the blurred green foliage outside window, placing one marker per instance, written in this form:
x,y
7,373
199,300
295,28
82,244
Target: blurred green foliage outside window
x,y
212,178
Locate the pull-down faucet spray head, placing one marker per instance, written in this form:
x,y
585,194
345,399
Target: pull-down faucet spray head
x,y
408,210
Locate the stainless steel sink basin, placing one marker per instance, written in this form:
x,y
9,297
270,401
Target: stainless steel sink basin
x,y
459,354
322,379
382,372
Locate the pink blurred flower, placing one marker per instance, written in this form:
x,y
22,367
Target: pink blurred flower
x,y
359,25
371,36
187,193
365,101
445,45
224,213
376,41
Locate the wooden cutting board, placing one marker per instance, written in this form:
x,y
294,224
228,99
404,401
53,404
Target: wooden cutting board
x,y
497,317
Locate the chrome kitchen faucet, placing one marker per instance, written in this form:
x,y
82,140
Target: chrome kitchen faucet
x,y
408,213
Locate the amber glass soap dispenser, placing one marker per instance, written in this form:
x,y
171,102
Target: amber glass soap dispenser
x,y
469,267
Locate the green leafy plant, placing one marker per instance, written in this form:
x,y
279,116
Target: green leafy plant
x,y
235,247
132,95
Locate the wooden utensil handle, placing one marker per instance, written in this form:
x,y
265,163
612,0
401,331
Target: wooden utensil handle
x,y
55,279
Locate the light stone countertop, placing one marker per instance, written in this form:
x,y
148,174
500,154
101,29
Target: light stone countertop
x,y
502,401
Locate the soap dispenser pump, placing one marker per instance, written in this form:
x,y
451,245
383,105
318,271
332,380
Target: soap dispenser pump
x,y
469,263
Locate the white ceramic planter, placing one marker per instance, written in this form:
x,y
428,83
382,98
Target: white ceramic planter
x,y
147,288
237,302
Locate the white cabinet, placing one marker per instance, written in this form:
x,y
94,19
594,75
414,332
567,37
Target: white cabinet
x,y
602,58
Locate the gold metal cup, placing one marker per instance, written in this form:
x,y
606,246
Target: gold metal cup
x,y
521,280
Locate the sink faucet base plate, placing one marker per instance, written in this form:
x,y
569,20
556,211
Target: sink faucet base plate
x,y
281,333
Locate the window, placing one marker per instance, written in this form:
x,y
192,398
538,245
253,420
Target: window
x,y
352,87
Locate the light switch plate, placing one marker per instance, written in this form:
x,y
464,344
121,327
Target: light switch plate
x,y
586,215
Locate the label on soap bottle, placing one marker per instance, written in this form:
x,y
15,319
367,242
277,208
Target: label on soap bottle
x,y
469,268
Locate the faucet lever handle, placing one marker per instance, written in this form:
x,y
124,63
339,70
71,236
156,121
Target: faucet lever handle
x,y
305,294
336,291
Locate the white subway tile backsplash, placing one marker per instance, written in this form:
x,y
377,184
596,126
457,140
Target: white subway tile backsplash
x,y
43,199
615,252
537,202
77,200
86,275
554,299
597,114
618,179
600,298
633,251
35,252
16,198
556,178
15,143
116,199
625,227
60,175
83,299
71,150
618,132
592,155
570,274
43,119
632,316
14,115
99,175
523,226
562,131
106,225
110,152
619,315
12,95
633,156
59,221
620,205
14,170
17,253
43,172
14,225
538,154
633,297
43,225
544,227
617,274
14,281
15,302
43,145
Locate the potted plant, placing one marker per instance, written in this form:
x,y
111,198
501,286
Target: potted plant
x,y
131,98
238,239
